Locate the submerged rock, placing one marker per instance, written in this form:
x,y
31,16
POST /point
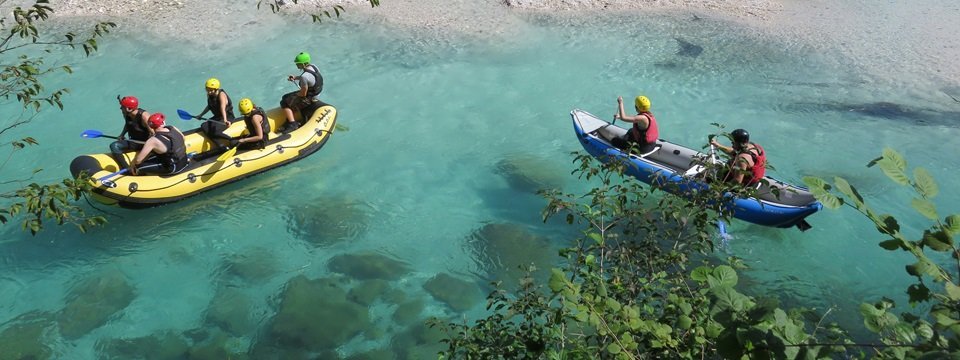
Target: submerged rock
x,y
315,315
418,342
25,337
230,310
369,265
366,292
409,312
505,251
165,345
688,49
326,222
92,302
527,173
459,294
256,265
377,354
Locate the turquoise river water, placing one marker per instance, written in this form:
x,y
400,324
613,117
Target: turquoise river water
x,y
448,140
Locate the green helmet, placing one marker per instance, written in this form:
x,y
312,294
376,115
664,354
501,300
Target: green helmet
x,y
302,58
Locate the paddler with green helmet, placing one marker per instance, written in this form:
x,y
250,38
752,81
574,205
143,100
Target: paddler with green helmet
x,y
310,83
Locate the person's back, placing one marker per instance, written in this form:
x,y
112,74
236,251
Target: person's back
x,y
644,132
747,165
164,153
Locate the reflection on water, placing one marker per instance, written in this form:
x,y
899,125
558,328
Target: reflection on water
x,y
448,140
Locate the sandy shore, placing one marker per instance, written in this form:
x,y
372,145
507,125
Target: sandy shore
x,y
904,38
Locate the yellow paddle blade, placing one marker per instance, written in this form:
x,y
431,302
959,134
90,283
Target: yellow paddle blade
x,y
227,154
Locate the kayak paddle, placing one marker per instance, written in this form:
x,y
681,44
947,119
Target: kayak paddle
x,y
90,134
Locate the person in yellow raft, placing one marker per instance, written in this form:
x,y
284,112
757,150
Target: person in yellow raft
x,y
644,133
164,153
310,83
219,104
257,126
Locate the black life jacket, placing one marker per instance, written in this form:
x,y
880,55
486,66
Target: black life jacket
x,y
134,125
213,102
318,81
176,154
264,125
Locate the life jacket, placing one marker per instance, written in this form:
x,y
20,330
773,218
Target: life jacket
x,y
213,102
176,154
264,125
759,169
317,83
648,135
134,125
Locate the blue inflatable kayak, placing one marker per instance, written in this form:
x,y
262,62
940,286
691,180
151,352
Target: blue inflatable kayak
x,y
777,204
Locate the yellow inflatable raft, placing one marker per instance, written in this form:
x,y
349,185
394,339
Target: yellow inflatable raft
x,y
143,191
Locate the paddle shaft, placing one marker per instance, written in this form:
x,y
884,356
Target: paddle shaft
x,y
118,138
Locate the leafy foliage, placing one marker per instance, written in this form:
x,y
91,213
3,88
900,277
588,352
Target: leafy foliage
x,y
911,336
21,78
628,291
277,5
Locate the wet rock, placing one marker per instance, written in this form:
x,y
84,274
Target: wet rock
x,y
256,265
230,310
418,342
25,337
527,173
366,292
408,312
161,346
315,315
377,354
92,302
369,265
460,295
326,222
505,251
217,347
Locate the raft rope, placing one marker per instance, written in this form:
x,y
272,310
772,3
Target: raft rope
x,y
237,161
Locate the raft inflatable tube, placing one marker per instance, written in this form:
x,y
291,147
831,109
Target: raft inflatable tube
x,y
151,190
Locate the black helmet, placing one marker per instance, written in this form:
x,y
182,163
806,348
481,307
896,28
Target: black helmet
x,y
740,136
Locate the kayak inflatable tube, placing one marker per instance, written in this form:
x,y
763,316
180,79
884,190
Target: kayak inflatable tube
x,y
131,191
778,204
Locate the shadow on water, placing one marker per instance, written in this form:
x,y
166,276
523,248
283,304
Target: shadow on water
x,y
688,49
885,110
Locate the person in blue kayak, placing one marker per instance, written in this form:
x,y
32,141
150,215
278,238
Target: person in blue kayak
x,y
134,124
644,133
165,153
257,126
218,102
310,83
748,161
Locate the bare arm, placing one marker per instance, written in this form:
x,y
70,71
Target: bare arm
x,y
257,133
622,115
142,155
146,125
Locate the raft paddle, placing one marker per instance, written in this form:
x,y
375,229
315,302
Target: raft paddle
x,y
184,115
227,154
105,177
90,134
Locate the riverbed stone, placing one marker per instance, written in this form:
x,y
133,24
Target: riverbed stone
x,y
328,221
460,295
25,337
161,346
408,312
507,250
315,315
93,301
230,310
369,265
254,265
366,292
529,173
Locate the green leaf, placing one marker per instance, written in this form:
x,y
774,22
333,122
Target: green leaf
x,y
923,267
557,280
815,183
596,238
938,241
953,291
830,201
925,183
613,348
844,187
918,293
700,274
684,322
894,157
726,276
893,171
953,224
730,299
925,208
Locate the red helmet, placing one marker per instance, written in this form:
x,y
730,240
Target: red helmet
x,y
130,102
156,120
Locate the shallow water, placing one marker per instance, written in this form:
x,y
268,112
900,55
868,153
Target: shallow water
x,y
442,135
